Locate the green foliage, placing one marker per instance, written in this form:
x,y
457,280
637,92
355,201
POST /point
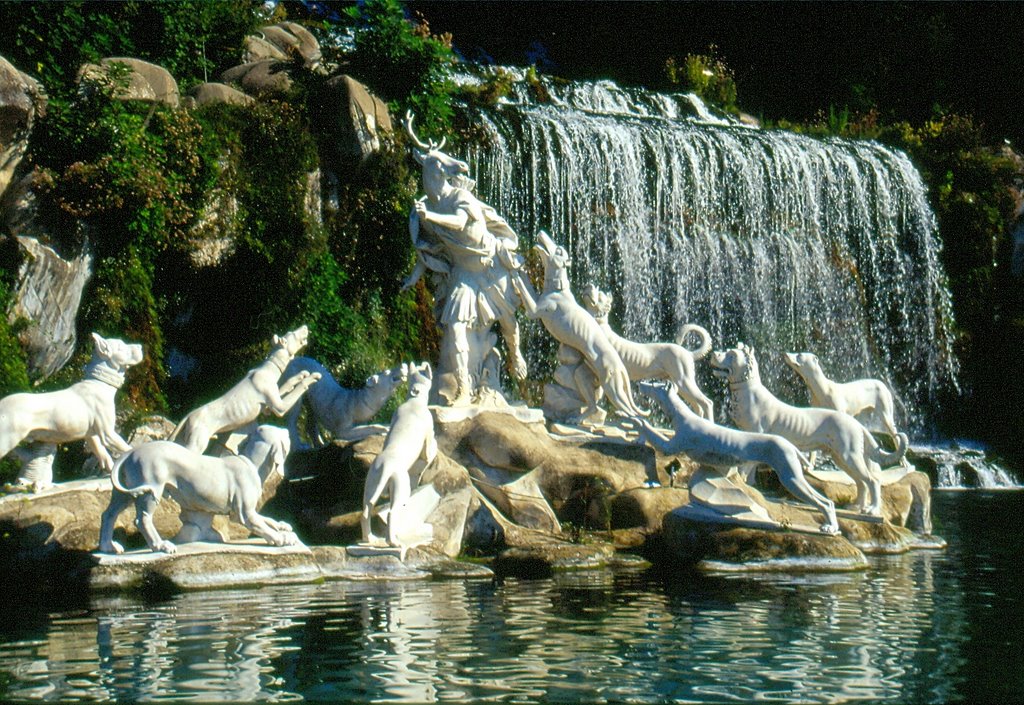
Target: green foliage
x,y
13,371
706,75
403,62
489,91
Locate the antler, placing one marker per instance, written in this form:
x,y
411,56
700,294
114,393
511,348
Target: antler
x,y
416,140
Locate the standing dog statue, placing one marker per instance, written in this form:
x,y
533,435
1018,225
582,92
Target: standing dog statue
x,y
410,441
720,447
669,361
258,391
868,400
851,446
335,409
578,332
84,410
202,485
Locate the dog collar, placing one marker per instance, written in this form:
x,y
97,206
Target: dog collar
x,y
278,365
102,373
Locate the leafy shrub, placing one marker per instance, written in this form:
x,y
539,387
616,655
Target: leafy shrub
x,y
707,76
403,62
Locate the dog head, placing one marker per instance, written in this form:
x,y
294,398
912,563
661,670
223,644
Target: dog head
x,y
804,363
267,448
116,353
597,302
388,380
420,380
554,257
737,364
292,342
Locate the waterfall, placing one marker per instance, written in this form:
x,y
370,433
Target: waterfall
x,y
962,465
783,241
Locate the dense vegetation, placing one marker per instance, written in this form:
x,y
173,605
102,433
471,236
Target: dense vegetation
x,y
142,178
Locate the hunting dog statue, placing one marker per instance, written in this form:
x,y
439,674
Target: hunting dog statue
x,y
668,361
331,408
202,485
580,335
85,410
852,447
723,448
410,442
256,392
867,400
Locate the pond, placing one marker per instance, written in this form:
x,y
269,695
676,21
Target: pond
x,y
928,626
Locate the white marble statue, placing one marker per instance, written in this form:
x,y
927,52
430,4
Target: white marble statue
x,y
260,390
754,408
84,410
578,332
203,486
868,400
409,447
668,361
724,448
470,250
331,408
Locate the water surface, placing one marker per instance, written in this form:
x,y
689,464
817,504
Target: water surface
x,y
923,627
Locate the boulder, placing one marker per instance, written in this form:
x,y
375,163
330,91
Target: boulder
x,y
569,472
216,94
284,41
353,117
267,77
145,81
22,101
720,547
48,294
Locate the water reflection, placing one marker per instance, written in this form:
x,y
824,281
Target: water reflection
x,y
910,629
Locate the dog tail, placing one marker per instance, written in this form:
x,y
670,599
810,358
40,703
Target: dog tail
x,y
887,458
701,351
116,481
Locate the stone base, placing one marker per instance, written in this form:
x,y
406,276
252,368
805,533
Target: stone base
x,y
200,566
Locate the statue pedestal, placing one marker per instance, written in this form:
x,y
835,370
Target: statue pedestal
x,y
455,414
727,499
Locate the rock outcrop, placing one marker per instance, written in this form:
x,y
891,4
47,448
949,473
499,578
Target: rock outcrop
x,y
260,78
353,117
144,81
215,94
22,102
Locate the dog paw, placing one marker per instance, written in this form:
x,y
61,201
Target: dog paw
x,y
829,529
167,547
112,547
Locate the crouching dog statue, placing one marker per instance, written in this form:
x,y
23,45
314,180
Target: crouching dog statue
x,y
84,410
202,485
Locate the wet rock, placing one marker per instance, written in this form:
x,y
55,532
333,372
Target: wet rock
x,y
543,559
730,548
144,81
22,101
203,566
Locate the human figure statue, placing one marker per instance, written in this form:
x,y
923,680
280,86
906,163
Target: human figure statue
x,y
471,250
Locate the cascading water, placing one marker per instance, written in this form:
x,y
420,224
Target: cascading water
x,y
764,236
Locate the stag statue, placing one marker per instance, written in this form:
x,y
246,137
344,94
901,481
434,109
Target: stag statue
x,y
470,251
